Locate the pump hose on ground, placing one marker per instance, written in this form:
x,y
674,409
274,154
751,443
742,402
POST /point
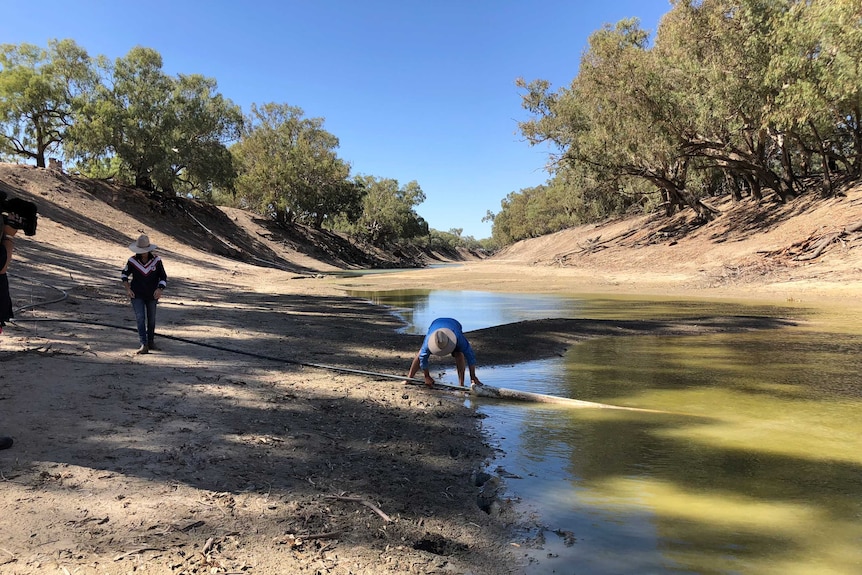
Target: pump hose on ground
x,y
486,391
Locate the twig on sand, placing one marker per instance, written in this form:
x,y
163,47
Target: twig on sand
x,y
136,551
208,545
365,502
11,556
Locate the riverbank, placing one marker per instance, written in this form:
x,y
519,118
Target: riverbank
x,y
225,451
235,448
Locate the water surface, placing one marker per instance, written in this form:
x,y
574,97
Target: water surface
x,y
756,466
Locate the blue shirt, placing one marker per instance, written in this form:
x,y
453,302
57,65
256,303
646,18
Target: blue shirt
x,y
461,343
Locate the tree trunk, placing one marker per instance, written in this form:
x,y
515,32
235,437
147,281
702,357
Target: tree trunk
x,y
755,187
733,184
856,164
827,176
786,163
144,182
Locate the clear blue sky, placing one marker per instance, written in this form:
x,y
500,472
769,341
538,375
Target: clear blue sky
x,y
414,89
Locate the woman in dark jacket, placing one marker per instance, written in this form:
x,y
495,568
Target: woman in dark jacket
x,y
7,243
145,280
7,234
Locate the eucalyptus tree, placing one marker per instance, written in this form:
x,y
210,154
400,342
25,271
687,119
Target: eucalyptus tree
x,y
288,168
819,48
388,211
126,116
171,134
206,124
571,197
579,196
38,92
723,49
529,213
621,117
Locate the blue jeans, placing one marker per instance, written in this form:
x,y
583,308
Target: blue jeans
x,y
145,314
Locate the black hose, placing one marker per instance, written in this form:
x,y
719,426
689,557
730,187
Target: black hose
x,y
65,295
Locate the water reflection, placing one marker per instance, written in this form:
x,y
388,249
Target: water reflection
x,y
754,468
474,309
479,309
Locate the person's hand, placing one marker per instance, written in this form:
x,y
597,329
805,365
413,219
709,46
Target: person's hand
x,y
158,293
130,293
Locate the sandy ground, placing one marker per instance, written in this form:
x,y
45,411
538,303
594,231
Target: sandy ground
x,y
231,450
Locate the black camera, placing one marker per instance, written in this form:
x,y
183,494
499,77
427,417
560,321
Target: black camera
x,y
18,213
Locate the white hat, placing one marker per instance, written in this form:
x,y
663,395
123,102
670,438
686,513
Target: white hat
x,y
442,341
143,245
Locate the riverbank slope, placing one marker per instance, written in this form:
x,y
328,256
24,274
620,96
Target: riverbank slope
x,y
235,447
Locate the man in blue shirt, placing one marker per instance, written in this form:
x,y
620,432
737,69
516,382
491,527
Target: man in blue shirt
x,y
445,337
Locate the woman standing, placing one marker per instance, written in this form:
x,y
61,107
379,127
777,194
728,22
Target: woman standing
x,y
7,243
145,279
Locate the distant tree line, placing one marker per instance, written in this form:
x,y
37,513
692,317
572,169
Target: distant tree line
x,y
128,121
754,98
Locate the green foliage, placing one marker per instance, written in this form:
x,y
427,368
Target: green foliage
x,y
388,211
206,123
38,92
452,240
816,65
724,49
571,197
289,169
106,168
752,93
170,133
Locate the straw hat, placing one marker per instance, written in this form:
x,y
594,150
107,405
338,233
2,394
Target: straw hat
x,y
143,245
442,341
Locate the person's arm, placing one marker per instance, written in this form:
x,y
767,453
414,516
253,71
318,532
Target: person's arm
x,y
473,379
418,364
125,276
163,279
8,247
470,358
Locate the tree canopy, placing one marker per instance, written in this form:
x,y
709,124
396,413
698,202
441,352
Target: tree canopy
x,y
759,99
745,96
388,210
289,168
38,91
170,134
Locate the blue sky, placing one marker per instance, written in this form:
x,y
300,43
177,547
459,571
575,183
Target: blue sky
x,y
414,90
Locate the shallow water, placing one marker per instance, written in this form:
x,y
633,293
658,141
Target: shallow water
x,y
755,467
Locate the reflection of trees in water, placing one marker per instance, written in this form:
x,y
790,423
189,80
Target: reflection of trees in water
x,y
407,304
673,457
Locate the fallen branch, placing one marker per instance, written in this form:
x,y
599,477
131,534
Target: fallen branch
x,y
820,247
365,502
853,228
822,242
208,546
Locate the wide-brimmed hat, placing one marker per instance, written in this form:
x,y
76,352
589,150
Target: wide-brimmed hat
x,y
143,245
442,341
